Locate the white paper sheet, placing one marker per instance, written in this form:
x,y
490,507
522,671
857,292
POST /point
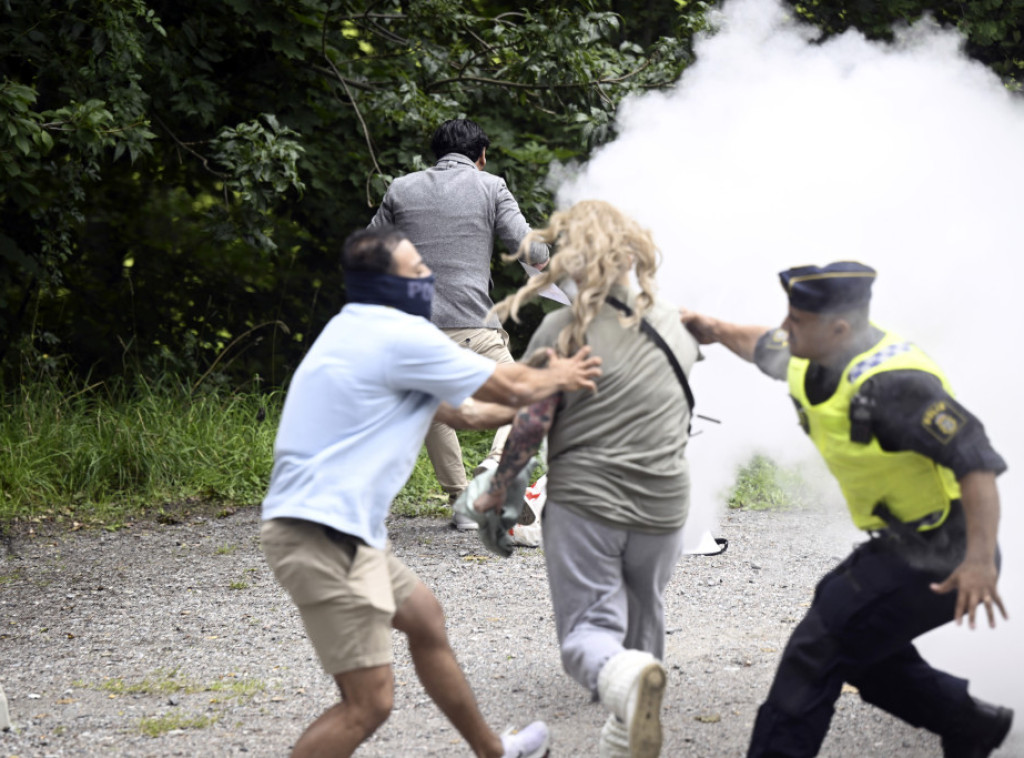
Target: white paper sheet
x,y
551,292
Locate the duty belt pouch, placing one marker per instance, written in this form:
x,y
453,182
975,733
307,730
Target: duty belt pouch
x,y
860,419
936,551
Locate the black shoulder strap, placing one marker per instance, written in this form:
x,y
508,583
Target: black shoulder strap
x,y
658,340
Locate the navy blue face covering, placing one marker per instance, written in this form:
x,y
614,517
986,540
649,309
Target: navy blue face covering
x,y
413,296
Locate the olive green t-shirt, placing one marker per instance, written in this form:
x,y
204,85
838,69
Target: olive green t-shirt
x,y
618,456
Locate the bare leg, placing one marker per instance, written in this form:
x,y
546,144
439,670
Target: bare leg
x,y
421,618
367,696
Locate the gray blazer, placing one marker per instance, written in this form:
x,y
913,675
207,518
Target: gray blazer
x,y
451,212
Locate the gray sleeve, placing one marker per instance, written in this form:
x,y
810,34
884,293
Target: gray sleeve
x,y
384,214
511,227
772,355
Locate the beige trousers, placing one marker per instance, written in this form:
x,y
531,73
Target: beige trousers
x,y
442,444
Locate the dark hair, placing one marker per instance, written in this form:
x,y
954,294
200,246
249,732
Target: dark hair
x,y
370,250
459,135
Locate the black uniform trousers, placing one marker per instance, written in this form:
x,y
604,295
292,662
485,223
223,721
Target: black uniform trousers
x,y
859,630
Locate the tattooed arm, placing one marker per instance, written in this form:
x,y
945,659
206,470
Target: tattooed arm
x,y
530,427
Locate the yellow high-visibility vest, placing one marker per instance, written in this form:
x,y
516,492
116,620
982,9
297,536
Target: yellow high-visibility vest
x,y
910,484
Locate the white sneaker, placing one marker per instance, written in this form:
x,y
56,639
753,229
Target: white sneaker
x,y
531,741
631,685
464,523
487,464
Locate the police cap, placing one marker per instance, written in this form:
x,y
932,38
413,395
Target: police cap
x,y
822,289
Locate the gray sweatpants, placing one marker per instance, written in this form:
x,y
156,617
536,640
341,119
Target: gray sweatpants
x,y
607,588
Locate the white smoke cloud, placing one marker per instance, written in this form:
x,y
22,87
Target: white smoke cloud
x,y
772,151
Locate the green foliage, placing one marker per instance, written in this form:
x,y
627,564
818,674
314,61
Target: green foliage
x,y
155,726
762,485
176,176
993,28
257,155
109,455
105,456
476,445
422,495
163,682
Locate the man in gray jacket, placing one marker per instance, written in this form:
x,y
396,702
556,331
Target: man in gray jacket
x,y
451,213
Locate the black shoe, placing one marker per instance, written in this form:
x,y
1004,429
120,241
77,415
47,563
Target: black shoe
x,y
989,726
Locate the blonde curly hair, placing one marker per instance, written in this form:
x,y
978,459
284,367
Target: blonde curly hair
x,y
595,244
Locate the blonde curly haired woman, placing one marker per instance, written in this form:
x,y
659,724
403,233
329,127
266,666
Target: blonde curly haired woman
x,y
618,481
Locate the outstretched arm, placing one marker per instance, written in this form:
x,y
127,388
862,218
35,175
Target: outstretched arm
x,y
516,385
740,339
512,229
975,578
474,415
530,427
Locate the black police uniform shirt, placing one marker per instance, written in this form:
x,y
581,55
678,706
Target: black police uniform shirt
x,y
901,405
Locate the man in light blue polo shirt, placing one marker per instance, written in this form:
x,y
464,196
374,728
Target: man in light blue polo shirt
x,y
354,419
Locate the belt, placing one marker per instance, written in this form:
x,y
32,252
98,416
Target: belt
x,y
917,528
347,542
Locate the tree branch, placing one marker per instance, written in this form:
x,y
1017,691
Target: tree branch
x,y
355,107
520,85
387,34
278,323
333,71
185,146
554,86
375,16
481,40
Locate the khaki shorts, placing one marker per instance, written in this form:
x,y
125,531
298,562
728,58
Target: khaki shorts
x,y
346,592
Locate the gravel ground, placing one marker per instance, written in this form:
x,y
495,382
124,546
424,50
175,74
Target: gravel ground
x,y
182,629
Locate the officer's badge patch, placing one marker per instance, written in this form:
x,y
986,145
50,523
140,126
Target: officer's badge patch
x,y
777,340
943,420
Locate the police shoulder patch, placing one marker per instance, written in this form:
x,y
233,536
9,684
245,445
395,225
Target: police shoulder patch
x,y
778,339
943,420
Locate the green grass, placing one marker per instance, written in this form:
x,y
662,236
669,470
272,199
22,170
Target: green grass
x,y
762,485
165,682
158,725
422,495
107,456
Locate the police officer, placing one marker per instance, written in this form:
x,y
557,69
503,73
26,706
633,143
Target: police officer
x,y
918,474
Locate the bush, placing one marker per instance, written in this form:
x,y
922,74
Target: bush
x,y
762,485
